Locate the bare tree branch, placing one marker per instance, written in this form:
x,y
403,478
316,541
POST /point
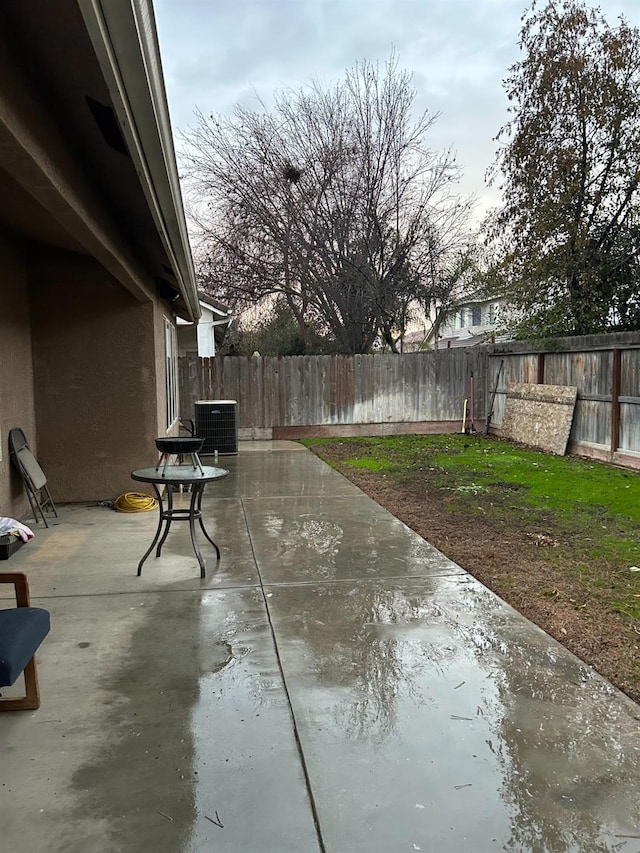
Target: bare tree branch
x,y
332,199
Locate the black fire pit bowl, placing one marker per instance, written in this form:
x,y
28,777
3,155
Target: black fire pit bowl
x,y
178,445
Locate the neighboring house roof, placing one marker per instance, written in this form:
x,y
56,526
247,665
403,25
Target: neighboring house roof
x,y
477,297
217,307
412,341
216,317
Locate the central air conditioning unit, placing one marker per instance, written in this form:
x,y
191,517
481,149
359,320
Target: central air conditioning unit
x,y
217,424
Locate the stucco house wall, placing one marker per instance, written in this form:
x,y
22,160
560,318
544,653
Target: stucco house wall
x,y
96,375
94,254
16,365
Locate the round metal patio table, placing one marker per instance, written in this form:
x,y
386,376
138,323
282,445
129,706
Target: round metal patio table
x,y
179,475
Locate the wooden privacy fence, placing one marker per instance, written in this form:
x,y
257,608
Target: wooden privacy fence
x,y
338,395
606,371
295,396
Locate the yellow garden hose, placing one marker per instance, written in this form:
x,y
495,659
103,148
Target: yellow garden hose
x,y
135,502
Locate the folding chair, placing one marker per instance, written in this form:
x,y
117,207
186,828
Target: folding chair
x,y
33,477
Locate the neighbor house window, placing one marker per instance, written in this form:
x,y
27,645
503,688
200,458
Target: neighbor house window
x,y
171,367
476,315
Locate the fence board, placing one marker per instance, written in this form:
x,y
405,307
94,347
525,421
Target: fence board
x,y
592,422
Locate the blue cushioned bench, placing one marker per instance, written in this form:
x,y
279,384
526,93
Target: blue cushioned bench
x,y
22,629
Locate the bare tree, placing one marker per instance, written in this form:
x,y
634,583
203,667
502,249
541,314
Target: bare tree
x,y
331,199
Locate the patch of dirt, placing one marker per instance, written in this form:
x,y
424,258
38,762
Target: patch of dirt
x,y
513,562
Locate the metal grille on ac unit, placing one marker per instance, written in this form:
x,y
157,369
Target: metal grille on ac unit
x,y
217,424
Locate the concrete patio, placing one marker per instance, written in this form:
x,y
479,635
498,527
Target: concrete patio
x,y
335,684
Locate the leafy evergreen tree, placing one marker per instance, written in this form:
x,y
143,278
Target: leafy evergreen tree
x,y
569,227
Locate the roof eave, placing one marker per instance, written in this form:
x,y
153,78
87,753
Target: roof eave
x,y
124,37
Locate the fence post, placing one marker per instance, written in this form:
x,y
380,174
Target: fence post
x,y
615,399
540,379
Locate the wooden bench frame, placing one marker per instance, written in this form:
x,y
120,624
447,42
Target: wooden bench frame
x,y
31,700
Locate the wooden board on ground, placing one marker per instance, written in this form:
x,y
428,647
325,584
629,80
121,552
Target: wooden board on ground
x,y
540,415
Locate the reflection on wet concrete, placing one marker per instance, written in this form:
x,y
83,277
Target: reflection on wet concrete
x,y
339,538
246,763
205,731
467,728
139,705
263,475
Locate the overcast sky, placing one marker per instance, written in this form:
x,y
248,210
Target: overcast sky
x,y
217,53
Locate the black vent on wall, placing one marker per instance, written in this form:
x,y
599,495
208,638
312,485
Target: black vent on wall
x,y
217,424
166,290
106,120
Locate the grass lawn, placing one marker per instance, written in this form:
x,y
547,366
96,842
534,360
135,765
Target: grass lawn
x,y
557,537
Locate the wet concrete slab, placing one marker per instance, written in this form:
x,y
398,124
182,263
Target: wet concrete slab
x,y
93,550
280,474
320,538
162,713
304,695
433,717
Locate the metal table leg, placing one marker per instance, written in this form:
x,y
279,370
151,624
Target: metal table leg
x,y
196,496
202,527
159,528
168,515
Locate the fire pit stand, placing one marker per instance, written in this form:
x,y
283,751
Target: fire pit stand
x,y
179,446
